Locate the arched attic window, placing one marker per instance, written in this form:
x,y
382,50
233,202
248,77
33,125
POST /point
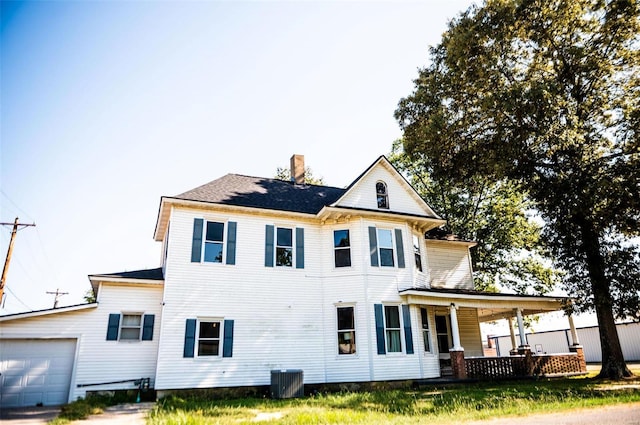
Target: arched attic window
x,y
382,195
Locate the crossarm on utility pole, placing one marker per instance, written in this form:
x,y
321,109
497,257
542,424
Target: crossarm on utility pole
x,y
15,225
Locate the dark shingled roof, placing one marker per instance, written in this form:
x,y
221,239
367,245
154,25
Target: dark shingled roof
x,y
148,274
259,192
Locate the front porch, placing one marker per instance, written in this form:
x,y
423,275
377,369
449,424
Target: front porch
x,y
522,362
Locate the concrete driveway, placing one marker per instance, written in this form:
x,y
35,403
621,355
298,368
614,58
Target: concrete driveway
x,y
28,415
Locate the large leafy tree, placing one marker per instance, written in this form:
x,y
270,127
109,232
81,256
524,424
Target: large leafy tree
x,y
509,254
546,93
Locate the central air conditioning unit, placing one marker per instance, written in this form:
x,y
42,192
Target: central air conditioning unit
x,y
287,383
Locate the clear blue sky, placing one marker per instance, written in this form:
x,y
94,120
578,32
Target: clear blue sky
x,y
106,106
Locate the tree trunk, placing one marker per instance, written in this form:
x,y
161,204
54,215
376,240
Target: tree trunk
x,y
613,364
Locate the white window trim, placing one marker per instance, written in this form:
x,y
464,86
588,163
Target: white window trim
x,y
293,246
386,195
224,240
343,248
421,247
394,248
196,348
403,343
121,325
430,325
355,330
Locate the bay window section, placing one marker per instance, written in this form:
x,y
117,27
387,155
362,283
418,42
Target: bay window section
x,y
385,247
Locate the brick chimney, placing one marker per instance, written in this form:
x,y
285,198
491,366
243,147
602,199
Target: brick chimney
x,y
297,169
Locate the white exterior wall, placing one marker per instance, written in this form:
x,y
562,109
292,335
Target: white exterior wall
x,y
449,265
363,195
98,360
284,318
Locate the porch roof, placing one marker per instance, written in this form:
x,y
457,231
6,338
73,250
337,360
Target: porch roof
x,y
491,305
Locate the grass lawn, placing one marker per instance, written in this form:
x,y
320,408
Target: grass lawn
x,y
455,403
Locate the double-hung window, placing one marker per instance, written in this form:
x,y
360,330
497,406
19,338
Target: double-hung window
x,y
385,247
213,242
392,328
393,321
209,338
426,333
416,253
346,330
130,327
342,248
284,247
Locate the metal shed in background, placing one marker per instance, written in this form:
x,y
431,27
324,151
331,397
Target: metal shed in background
x,y
560,340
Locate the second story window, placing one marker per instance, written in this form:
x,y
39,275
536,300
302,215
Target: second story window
x,y
209,240
416,252
214,242
342,248
382,195
385,247
284,247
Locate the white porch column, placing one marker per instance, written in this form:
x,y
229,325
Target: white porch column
x,y
523,339
512,333
574,333
455,332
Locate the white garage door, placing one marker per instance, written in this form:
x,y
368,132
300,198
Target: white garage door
x,y
35,371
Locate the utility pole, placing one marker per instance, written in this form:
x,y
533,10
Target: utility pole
x,y
16,226
58,294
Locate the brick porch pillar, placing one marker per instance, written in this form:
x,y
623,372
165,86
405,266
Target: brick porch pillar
x,y
528,359
581,359
457,364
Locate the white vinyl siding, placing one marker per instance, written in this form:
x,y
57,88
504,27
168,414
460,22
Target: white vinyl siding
x,y
99,360
449,265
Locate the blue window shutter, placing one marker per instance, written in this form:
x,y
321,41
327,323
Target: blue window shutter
x,y
268,246
231,242
408,335
196,244
113,326
227,344
373,246
299,248
147,327
190,338
379,328
400,248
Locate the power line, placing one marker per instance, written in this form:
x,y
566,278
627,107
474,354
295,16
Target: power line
x,y
18,299
15,205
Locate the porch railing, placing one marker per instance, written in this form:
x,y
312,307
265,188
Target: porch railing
x,y
518,366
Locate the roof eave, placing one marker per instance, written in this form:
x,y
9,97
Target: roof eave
x,y
28,314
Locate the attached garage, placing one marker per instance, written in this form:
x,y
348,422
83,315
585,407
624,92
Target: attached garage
x,y
36,371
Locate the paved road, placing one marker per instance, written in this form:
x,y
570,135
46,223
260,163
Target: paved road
x,y
619,414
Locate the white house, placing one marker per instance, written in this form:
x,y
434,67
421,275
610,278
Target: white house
x,y
257,275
